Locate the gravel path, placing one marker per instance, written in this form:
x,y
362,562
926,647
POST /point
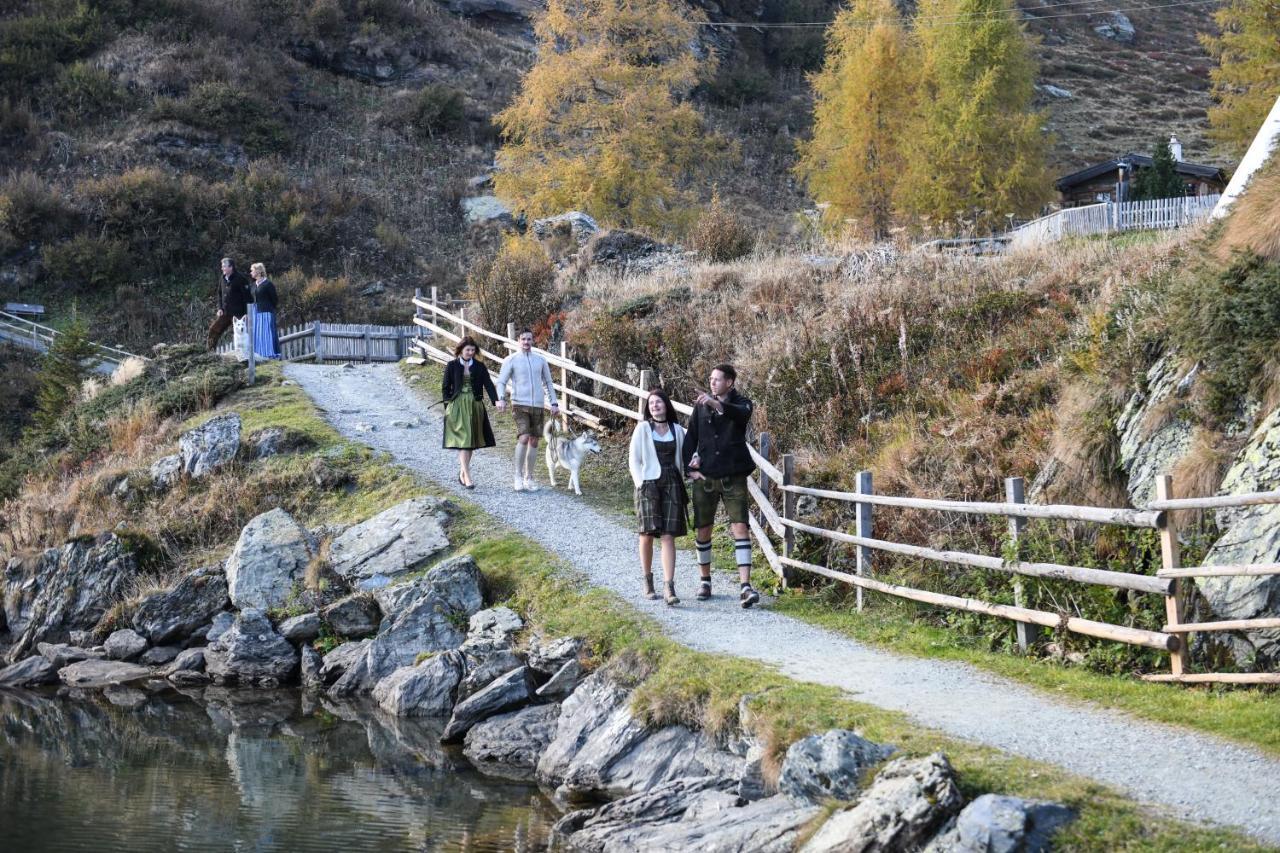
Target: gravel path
x,y
1193,776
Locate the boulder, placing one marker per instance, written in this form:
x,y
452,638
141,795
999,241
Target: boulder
x,y
159,655
425,690
1117,27
495,623
125,644
353,617
513,741
61,654
274,441
565,680
66,589
300,629
210,445
176,614
269,561
310,666
573,224
220,625
32,672
398,540
550,656
189,660
338,661
251,653
1151,442
591,829
828,766
510,691
909,800
91,674
165,472
486,210
998,824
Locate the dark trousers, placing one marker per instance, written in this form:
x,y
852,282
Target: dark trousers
x,y
220,324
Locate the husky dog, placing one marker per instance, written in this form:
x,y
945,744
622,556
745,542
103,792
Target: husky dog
x,y
568,452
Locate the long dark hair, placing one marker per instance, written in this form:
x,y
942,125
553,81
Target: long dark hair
x,y
672,417
464,343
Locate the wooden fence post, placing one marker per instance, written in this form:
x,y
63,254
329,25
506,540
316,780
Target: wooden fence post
x,y
1170,559
788,512
863,530
646,382
319,347
765,443
418,312
368,345
1015,492
564,385
511,331
461,331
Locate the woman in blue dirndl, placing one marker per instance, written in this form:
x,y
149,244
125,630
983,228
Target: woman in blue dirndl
x,y
266,337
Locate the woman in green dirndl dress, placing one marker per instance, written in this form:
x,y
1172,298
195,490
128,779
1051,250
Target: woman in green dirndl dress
x,y
466,424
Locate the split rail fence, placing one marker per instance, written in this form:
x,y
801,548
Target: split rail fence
x,y
1113,216
29,334
776,482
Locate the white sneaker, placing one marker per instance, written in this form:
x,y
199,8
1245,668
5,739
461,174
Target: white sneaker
x,y
517,484
530,485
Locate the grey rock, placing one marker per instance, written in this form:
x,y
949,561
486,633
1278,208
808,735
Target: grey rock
x,y
484,669
269,561
565,680
251,653
338,661
91,674
485,210
621,250
310,666
752,784
61,654
300,629
369,58
510,691
174,615
125,644
221,624
353,617
189,660
398,540
189,678
909,800
210,445
1152,443
549,656
1117,27
425,690
512,741
592,829
66,589
159,655
828,766
495,623
998,824
1054,91
274,441
31,672
574,224
165,472
714,824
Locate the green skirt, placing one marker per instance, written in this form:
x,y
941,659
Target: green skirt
x,y
466,425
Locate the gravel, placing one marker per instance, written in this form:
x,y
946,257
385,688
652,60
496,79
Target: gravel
x,y
1189,775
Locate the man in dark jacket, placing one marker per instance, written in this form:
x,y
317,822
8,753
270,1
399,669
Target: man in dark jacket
x,y
234,297
718,463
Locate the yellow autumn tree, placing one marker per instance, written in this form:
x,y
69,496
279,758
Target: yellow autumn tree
x,y
1246,82
975,151
863,95
603,121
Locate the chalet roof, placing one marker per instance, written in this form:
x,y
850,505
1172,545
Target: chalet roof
x,y
1131,160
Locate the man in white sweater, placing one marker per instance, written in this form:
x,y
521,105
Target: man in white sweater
x,y
530,378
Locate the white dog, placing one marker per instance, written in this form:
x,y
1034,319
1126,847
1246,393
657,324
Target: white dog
x,y
568,452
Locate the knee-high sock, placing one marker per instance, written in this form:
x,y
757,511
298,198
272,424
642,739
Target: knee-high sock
x,y
519,457
742,552
704,557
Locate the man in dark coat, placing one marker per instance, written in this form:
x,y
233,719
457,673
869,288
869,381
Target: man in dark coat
x,y
234,297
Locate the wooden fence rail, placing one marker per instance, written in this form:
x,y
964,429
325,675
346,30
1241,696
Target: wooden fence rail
x,y
446,327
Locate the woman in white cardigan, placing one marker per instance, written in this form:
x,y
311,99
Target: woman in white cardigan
x,y
661,500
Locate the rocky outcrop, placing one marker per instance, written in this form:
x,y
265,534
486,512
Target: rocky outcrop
x,y
210,445
310,664
623,250
999,824
910,799
486,210
511,744
574,224
353,617
592,829
92,674
338,661
426,690
251,653
371,58
1117,27
66,589
125,644
269,561
32,672
828,766
1153,437
174,615
398,540
509,691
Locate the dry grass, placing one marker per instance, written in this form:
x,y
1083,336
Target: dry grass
x,y
1254,224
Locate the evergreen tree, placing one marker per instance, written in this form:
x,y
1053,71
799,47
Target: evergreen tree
x,y
1246,82
62,372
863,97
1161,180
974,150
603,121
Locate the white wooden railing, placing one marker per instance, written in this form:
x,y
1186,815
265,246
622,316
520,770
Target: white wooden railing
x,y
1112,216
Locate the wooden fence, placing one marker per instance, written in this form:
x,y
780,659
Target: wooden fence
x,y
776,484
1112,216
29,334
341,342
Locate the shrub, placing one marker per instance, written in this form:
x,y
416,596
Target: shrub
x,y
88,263
31,209
165,219
229,109
31,45
721,235
434,110
515,286
17,124
740,83
84,92
305,299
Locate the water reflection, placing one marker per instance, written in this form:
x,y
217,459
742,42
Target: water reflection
x,y
244,771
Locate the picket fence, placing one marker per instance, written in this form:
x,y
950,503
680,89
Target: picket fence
x,y
1112,216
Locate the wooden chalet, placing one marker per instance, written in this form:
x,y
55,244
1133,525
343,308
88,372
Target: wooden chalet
x,y
1111,180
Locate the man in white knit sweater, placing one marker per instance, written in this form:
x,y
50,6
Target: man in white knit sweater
x,y
530,378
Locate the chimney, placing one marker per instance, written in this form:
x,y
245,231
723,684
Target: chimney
x,y
1176,148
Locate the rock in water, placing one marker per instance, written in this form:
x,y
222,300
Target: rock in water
x,y
338,661
592,829
425,690
252,653
159,656
91,674
828,766
509,691
311,664
174,615
398,540
513,741
354,616
998,824
67,589
210,445
909,800
125,644
32,672
61,654
269,561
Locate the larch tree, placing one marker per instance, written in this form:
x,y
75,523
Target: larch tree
x,y
975,151
603,121
863,96
1246,81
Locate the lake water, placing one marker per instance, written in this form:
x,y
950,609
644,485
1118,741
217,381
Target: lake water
x,y
245,771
